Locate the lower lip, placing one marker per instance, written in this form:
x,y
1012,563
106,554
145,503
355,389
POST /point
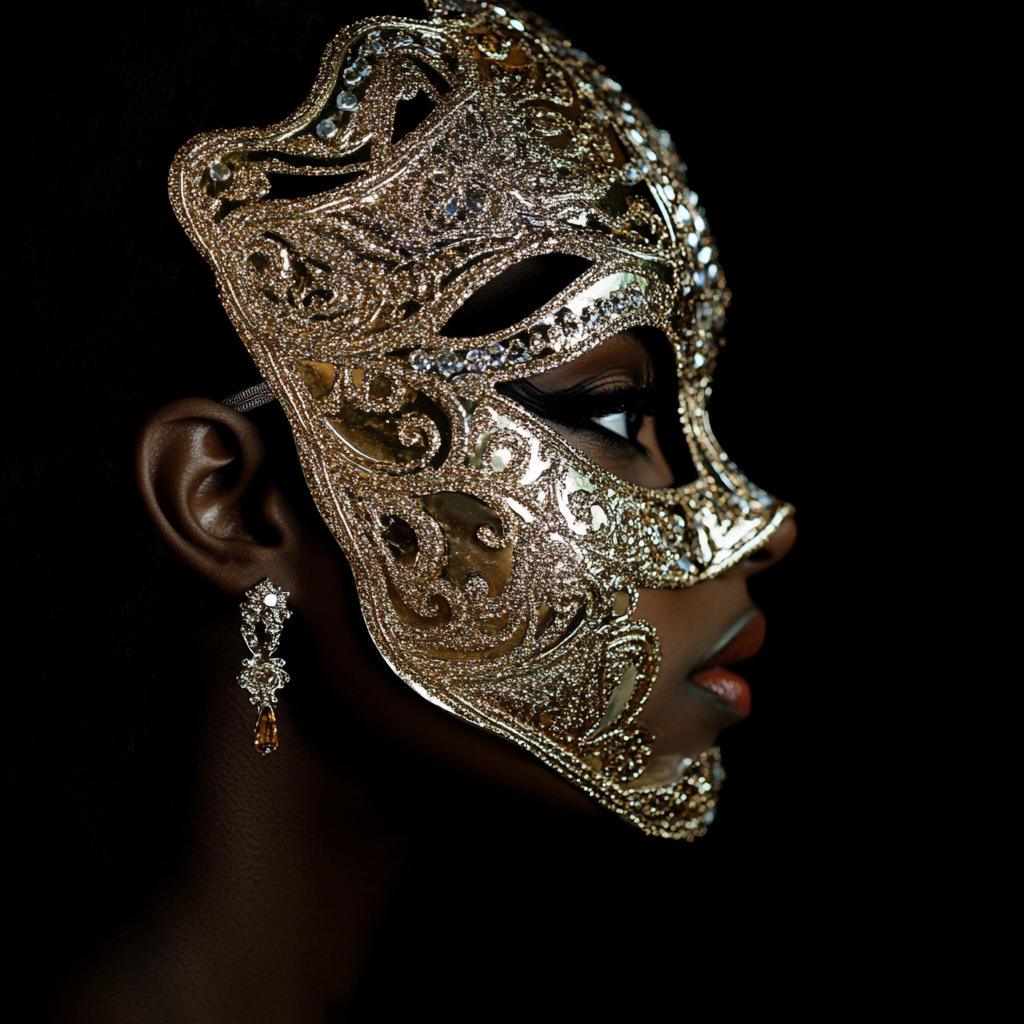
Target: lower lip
x,y
729,687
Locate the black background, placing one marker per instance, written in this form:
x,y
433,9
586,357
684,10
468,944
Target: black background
x,y
849,173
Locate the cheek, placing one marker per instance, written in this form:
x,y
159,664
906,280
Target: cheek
x,y
688,621
684,719
654,468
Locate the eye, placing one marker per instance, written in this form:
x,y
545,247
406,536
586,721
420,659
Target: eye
x,y
625,424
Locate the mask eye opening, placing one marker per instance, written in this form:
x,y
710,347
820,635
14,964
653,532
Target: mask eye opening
x,y
667,417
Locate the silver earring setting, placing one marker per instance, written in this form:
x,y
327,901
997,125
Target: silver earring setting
x,y
263,675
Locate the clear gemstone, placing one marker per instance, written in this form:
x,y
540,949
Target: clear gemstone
x,y
568,322
476,360
356,71
421,361
631,174
650,154
705,254
219,170
590,316
636,136
326,128
698,222
346,101
699,360
451,207
537,340
519,351
682,215
496,354
625,105
376,43
709,816
712,271
270,600
516,24
600,116
700,278
685,564
693,240
433,47
449,363
629,118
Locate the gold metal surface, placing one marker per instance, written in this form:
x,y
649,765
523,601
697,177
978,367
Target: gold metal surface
x,y
497,567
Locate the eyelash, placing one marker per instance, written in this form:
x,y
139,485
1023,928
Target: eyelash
x,y
579,410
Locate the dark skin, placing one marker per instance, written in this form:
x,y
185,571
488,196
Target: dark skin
x,y
313,824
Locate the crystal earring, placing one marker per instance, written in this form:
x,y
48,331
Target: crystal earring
x,y
263,675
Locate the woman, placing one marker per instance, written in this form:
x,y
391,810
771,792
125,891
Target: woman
x,y
364,762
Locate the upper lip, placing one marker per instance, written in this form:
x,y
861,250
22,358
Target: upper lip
x,y
742,640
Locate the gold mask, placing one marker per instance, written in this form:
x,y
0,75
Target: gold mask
x,y
497,567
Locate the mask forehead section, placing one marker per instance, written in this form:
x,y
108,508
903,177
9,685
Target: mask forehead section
x,y
497,567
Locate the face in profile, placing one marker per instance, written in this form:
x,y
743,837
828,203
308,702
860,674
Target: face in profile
x,y
471,271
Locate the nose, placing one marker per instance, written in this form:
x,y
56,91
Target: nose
x,y
774,551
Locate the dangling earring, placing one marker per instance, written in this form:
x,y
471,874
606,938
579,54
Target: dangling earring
x,y
264,675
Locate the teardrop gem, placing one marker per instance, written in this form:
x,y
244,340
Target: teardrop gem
x,y
265,734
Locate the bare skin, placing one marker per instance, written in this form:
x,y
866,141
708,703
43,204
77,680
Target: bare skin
x,y
293,860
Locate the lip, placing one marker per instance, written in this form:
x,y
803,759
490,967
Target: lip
x,y
741,641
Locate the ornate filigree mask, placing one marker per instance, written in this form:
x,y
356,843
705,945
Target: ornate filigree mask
x,y
498,568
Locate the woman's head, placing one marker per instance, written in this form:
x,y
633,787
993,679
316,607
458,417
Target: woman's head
x,y
471,272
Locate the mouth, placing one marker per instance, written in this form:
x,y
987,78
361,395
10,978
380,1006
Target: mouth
x,y
742,640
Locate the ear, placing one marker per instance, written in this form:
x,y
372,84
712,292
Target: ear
x,y
202,472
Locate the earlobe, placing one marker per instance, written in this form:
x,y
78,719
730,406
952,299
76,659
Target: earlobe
x,y
199,471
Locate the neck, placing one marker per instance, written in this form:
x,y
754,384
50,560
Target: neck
x,y
290,867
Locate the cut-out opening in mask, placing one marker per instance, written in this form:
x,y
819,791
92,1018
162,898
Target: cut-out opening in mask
x,y
410,114
620,411
514,294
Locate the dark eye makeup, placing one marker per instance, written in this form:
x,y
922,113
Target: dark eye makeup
x,y
611,415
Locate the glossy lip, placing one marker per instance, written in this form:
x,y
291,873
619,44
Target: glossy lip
x,y
742,640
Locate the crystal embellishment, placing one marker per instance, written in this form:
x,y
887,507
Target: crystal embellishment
x,y
449,363
476,360
519,351
356,71
326,129
219,171
346,101
422,362
631,174
496,354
